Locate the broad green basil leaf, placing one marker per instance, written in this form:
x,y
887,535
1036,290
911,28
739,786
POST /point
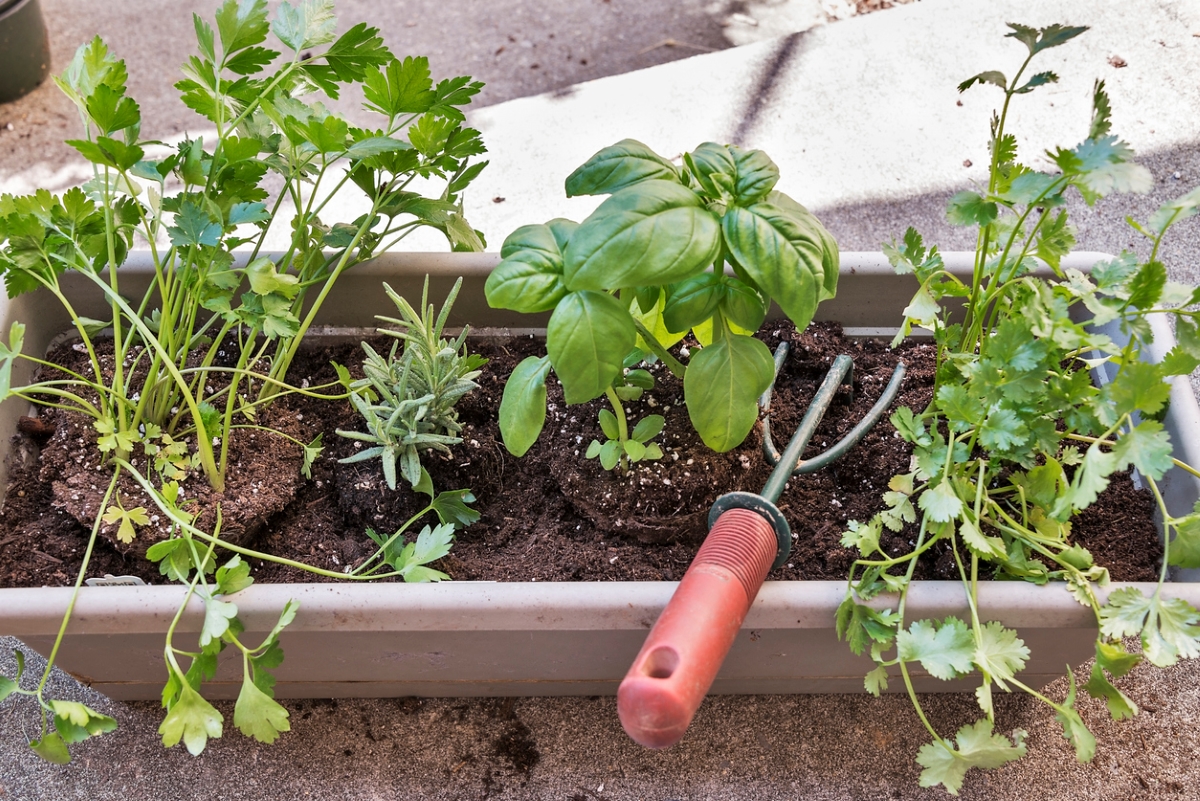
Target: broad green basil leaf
x,y
647,298
693,301
626,163
610,454
830,256
743,304
656,232
562,230
756,175
587,339
783,258
528,281
532,237
709,160
722,385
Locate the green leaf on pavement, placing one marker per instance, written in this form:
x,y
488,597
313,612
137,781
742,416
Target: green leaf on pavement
x,y
192,720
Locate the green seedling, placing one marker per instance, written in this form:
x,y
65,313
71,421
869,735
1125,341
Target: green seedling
x,y
1017,440
705,247
408,401
621,446
126,520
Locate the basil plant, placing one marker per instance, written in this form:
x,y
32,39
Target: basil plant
x,y
704,247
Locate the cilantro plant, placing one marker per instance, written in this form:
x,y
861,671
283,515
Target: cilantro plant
x,y
408,402
203,211
1017,440
648,266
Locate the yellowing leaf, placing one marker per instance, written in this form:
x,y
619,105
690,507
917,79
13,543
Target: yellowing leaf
x,y
192,720
258,715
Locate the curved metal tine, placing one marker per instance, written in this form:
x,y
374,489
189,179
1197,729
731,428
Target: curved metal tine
x,y
839,372
859,431
839,449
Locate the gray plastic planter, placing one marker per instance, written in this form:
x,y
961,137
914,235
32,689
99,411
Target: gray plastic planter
x,y
571,638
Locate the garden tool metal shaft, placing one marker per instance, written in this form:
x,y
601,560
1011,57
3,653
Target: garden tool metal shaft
x,y
748,535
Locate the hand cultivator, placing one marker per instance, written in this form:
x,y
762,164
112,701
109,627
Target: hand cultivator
x,y
748,537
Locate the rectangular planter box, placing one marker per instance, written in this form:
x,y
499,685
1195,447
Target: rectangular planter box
x,y
509,639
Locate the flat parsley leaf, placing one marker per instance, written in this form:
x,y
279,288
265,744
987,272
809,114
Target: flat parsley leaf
x,y
258,715
192,720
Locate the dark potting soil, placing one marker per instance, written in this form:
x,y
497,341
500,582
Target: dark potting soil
x,y
552,515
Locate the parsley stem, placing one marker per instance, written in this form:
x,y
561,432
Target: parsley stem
x,y
87,557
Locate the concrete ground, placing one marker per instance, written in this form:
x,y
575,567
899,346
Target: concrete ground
x,y
864,121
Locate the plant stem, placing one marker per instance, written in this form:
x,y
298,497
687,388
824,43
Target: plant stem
x,y
622,425
87,557
674,365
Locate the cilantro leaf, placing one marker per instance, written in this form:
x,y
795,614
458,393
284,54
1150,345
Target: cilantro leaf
x,y
1185,547
969,208
1175,210
863,536
1074,729
1139,387
1147,447
946,652
1167,626
991,76
1098,686
983,546
941,503
876,681
859,625
977,747
1000,655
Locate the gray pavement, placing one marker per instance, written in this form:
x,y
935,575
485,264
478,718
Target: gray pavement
x,y
863,119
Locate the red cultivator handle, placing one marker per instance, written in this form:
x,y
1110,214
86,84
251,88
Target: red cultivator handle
x,y
686,647
748,535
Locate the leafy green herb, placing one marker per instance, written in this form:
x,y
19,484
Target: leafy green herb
x,y
408,402
126,520
650,265
188,349
1017,440
276,147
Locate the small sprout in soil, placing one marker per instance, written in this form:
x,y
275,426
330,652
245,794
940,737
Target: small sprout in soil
x,y
408,402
